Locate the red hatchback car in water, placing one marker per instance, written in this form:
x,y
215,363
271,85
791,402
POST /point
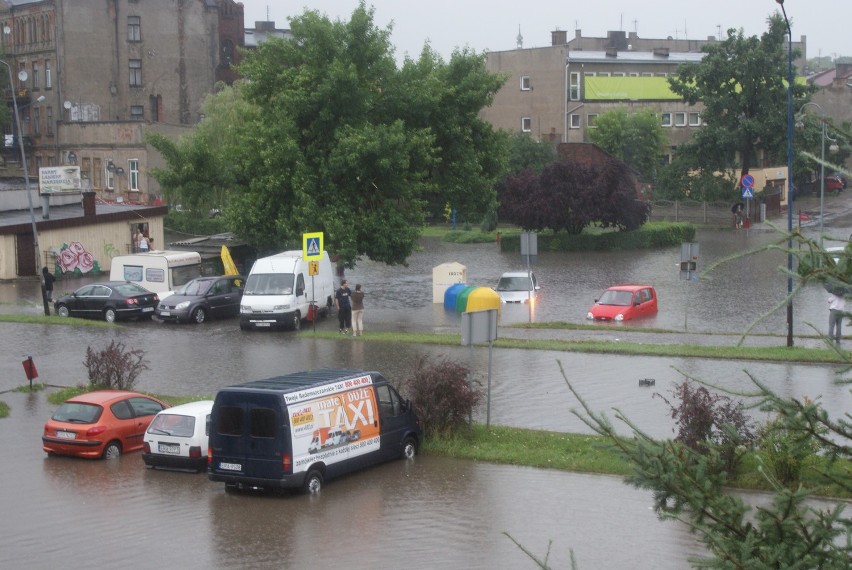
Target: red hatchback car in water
x,y
624,302
104,423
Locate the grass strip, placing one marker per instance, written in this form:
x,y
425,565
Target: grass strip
x,y
595,454
726,352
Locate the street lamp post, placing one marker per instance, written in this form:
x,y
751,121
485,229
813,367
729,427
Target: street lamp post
x,y
833,148
789,176
23,77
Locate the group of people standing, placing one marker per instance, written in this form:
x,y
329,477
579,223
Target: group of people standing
x,y
350,309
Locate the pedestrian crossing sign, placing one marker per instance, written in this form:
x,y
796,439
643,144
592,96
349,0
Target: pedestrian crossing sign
x,y
748,192
312,246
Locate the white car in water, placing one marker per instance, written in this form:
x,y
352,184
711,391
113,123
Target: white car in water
x,y
177,438
517,287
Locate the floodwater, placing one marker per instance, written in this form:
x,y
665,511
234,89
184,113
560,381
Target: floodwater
x,y
433,512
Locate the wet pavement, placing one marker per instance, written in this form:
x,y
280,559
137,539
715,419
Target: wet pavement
x,y
436,511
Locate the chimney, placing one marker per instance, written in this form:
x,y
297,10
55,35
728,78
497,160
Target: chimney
x,y
88,204
611,52
558,38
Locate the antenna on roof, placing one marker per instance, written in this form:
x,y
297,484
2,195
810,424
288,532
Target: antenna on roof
x,y
267,13
520,38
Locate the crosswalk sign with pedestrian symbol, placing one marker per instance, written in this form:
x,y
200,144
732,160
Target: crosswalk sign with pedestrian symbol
x,y
312,246
748,193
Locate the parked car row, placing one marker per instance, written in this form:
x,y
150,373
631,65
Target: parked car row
x,y
268,434
203,297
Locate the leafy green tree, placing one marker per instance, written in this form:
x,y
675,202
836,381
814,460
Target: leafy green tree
x,y
637,139
683,180
524,153
332,137
742,82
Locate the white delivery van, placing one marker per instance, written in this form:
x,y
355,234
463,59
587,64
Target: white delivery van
x,y
279,291
159,271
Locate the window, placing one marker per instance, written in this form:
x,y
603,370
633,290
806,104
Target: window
x,y
230,421
618,74
154,107
603,74
647,74
136,73
694,119
591,119
137,112
133,167
36,121
35,76
262,423
589,73
666,119
22,67
680,119
97,181
661,74
48,78
634,74
49,112
574,86
110,177
85,168
526,124
134,29
575,121
525,83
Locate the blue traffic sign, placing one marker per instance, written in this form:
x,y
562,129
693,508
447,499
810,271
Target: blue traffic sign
x,y
748,192
748,182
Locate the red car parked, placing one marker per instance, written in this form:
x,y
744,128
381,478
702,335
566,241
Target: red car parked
x,y
624,302
104,423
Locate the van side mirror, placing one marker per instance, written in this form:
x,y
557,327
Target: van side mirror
x,y
300,291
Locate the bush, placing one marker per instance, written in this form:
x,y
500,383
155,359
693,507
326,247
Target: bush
x,y
114,367
704,420
650,235
489,222
442,397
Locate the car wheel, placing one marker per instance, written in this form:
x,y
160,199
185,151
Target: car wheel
x,y
109,315
313,483
409,448
199,315
62,311
297,321
112,450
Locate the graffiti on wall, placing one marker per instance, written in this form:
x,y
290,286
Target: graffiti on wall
x,y
75,260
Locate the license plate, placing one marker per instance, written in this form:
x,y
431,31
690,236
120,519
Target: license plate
x,y
169,448
261,324
66,435
165,314
231,466
147,309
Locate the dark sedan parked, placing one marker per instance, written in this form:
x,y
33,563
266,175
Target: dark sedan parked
x,y
204,297
110,300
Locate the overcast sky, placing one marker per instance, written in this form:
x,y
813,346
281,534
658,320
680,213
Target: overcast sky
x,y
493,24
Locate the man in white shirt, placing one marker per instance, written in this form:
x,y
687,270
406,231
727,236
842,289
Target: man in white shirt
x,y
836,306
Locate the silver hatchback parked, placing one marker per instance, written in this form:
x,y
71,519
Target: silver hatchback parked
x,y
517,287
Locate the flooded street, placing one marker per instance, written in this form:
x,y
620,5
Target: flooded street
x,y
434,512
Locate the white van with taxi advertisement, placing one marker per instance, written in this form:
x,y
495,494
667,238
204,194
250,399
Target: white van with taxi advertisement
x,y
298,430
